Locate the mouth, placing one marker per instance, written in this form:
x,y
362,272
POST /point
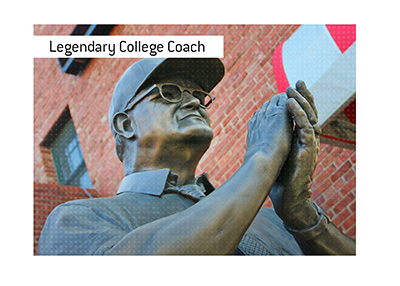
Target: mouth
x,y
192,115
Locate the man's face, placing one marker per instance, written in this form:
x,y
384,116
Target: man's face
x,y
158,119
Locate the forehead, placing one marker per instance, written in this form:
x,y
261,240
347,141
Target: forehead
x,y
180,81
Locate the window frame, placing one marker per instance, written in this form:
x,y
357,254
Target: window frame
x,y
55,142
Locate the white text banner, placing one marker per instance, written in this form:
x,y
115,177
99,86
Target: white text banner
x,y
128,46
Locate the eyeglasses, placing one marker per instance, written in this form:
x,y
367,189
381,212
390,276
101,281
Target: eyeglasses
x,y
173,93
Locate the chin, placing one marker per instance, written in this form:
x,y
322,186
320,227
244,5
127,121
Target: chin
x,y
198,134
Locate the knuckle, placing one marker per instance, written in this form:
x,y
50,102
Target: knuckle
x,y
266,103
317,129
309,136
313,120
307,132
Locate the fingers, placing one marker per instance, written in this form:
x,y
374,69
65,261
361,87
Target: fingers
x,y
302,88
306,132
279,101
304,97
275,108
254,122
300,116
264,107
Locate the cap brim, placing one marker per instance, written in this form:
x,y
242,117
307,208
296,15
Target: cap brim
x,y
206,72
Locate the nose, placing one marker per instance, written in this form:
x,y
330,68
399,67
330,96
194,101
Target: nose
x,y
189,101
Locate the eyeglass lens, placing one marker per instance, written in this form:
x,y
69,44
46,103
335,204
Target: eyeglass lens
x,y
173,93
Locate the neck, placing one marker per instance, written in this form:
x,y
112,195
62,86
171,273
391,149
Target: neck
x,y
181,159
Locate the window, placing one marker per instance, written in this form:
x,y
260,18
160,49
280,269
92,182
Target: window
x,y
68,159
67,155
77,65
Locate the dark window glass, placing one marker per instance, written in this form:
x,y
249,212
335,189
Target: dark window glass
x,y
68,159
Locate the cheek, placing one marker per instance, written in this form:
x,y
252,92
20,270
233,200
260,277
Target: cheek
x,y
206,117
156,119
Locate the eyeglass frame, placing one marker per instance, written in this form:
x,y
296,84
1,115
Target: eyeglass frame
x,y
159,86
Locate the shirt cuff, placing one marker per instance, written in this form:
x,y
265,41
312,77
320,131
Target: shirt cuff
x,y
313,231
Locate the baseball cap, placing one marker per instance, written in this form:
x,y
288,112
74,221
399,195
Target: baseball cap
x,y
206,72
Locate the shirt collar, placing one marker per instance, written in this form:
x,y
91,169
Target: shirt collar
x,y
154,182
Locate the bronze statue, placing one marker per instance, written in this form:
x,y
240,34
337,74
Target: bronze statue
x,y
159,119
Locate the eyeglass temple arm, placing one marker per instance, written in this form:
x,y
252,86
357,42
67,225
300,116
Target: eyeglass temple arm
x,y
136,99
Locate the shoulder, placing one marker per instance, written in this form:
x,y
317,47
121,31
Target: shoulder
x,y
82,213
82,227
77,208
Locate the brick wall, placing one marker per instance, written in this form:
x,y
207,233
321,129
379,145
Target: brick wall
x,y
248,83
47,197
335,186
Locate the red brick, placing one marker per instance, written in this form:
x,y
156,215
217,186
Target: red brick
x,y
332,201
344,202
320,200
329,148
325,174
325,185
332,157
341,217
330,192
343,157
351,231
267,203
350,174
349,222
339,184
343,169
318,171
352,207
349,186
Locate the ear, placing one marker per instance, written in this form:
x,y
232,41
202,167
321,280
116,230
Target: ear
x,y
123,125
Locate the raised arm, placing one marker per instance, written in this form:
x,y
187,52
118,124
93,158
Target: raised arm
x,y
216,224
291,194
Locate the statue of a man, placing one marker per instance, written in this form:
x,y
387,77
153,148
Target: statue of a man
x,y
159,119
